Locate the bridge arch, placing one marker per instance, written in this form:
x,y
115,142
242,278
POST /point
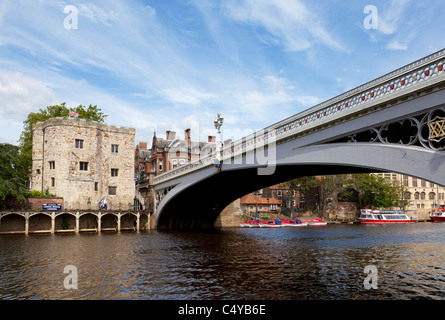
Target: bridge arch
x,y
12,222
196,202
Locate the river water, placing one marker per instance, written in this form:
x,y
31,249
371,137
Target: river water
x,y
306,263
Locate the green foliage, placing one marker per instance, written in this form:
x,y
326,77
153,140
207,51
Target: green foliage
x,y
25,141
302,184
36,193
371,190
13,175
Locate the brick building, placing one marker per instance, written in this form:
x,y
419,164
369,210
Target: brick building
x,y
275,199
165,154
169,152
255,205
84,161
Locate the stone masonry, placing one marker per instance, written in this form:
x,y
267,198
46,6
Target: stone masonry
x,y
84,161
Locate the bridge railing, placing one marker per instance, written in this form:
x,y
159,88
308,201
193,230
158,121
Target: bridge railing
x,y
418,74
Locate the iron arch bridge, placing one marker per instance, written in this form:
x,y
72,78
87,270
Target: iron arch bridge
x,y
395,123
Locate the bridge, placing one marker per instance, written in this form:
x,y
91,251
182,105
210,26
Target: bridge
x,y
395,123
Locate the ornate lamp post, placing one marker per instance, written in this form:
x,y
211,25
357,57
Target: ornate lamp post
x,y
218,123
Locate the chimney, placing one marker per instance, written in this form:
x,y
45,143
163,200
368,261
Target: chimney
x,y
142,145
170,135
212,138
187,137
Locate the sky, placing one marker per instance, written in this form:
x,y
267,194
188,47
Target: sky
x,y
174,64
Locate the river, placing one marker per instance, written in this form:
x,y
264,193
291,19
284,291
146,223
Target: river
x,y
305,263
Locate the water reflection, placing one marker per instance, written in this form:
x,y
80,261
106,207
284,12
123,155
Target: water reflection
x,y
280,264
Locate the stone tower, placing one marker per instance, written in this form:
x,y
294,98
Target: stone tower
x,y
84,161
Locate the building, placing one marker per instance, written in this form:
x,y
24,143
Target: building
x,y
84,161
253,205
169,152
420,195
275,199
164,155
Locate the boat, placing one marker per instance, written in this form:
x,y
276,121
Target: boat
x,y
381,216
438,215
316,222
274,223
250,223
292,223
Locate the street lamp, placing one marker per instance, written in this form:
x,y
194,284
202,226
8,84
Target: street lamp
x,y
218,123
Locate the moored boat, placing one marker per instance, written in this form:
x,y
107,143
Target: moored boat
x,y
382,216
316,222
438,215
274,223
292,223
250,223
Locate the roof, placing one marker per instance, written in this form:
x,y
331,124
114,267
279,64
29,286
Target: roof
x,y
252,199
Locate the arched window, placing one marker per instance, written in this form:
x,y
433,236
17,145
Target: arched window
x,y
432,196
407,196
416,196
422,196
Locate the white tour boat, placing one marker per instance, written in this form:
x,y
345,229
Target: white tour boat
x,y
389,216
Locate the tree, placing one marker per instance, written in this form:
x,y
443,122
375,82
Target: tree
x,y
328,189
13,178
302,184
371,190
25,141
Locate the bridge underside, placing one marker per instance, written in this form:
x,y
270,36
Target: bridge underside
x,y
198,206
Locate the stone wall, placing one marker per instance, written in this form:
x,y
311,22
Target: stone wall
x,y
30,204
231,216
83,175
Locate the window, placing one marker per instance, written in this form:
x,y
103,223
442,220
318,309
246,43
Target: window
x,y
405,180
422,196
432,196
414,182
423,183
181,161
161,161
37,171
114,148
441,196
96,186
279,193
79,144
53,182
114,172
407,196
112,191
83,166
52,165
416,196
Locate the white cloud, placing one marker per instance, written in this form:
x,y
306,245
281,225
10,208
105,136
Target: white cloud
x,y
396,45
287,22
20,95
97,14
188,95
392,16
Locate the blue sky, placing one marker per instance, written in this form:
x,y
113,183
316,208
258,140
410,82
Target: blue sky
x,y
171,65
